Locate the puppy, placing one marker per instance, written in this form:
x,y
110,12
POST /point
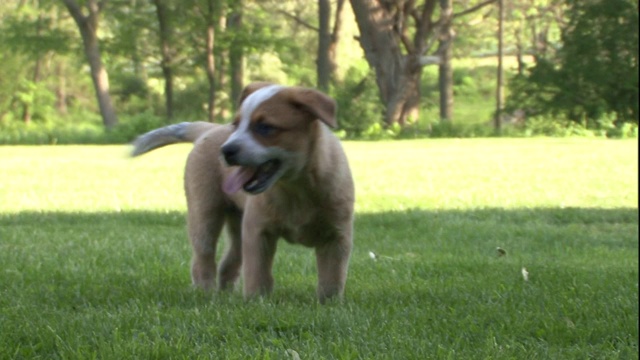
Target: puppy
x,y
276,172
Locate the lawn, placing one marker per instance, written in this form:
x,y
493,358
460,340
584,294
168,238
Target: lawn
x,y
95,260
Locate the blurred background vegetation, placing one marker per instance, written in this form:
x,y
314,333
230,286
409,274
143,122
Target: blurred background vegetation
x,y
89,71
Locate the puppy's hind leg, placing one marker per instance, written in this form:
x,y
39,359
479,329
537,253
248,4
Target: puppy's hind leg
x,y
229,269
333,263
205,213
204,235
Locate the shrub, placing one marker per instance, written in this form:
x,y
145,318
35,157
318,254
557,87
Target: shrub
x,y
73,131
359,108
132,126
594,74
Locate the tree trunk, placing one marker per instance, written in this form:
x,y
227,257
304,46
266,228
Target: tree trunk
x,y
167,54
383,30
26,111
88,26
61,89
236,52
211,60
323,63
382,51
445,68
405,102
61,83
445,81
384,27
221,72
335,39
499,85
519,51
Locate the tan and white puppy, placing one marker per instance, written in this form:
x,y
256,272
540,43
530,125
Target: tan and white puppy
x,y
276,172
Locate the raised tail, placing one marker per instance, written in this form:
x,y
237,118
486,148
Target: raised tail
x,y
172,134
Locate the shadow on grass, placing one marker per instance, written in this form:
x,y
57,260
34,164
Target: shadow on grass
x,y
555,216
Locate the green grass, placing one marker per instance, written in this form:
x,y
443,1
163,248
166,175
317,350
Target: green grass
x,y
95,261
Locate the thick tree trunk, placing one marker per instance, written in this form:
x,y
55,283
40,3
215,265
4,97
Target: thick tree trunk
x,y
382,51
405,102
167,54
387,25
88,26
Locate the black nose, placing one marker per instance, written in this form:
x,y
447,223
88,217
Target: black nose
x,y
230,152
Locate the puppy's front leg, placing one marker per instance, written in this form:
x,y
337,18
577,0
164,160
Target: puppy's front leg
x,y
258,250
333,262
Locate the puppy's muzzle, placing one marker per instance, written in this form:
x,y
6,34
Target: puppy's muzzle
x,y
230,153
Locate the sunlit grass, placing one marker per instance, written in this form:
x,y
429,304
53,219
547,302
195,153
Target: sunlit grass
x,y
95,258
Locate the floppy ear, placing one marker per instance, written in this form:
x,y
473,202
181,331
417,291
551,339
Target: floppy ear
x,y
317,104
250,89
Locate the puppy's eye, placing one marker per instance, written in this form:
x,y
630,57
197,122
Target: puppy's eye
x,y
264,130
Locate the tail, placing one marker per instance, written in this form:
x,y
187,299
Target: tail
x,y
172,134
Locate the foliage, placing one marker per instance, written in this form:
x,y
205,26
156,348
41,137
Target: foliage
x,y
87,129
594,74
590,76
95,261
359,111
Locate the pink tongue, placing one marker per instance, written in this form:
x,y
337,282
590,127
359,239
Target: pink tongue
x,y
234,182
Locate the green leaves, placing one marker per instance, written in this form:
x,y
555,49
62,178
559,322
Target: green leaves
x,y
596,70
34,32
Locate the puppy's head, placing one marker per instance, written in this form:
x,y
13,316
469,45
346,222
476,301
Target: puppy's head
x,y
273,134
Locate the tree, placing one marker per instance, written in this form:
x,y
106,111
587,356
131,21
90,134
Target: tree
x,y
327,42
397,38
594,74
599,59
163,11
88,26
31,32
445,67
236,49
324,38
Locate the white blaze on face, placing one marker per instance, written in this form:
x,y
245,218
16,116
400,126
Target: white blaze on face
x,y
242,135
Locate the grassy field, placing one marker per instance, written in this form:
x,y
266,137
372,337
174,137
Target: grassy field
x,y
95,262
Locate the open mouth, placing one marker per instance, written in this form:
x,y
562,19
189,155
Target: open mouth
x,y
253,180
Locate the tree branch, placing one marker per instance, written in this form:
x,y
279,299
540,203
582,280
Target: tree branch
x,y
424,27
403,16
101,5
337,25
298,20
473,8
74,10
430,60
